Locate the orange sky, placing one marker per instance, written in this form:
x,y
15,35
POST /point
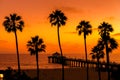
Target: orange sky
x,y
35,15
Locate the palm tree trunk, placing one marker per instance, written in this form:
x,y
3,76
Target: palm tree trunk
x,y
17,53
107,57
37,65
86,56
61,53
99,74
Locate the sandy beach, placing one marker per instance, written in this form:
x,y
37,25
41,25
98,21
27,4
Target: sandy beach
x,y
70,74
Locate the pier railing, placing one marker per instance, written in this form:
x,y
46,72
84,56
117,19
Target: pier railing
x,y
73,62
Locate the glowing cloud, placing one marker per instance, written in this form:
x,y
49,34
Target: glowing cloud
x,y
117,34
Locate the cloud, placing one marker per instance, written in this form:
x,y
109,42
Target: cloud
x,y
75,32
95,29
110,18
3,41
70,9
71,32
117,34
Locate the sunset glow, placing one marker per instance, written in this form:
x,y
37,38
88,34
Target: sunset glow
x,y
35,15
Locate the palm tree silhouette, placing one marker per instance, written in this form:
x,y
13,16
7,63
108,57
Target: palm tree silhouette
x,y
85,28
57,18
13,23
97,53
36,45
109,43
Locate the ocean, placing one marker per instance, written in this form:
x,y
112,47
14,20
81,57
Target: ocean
x,y
26,61
29,62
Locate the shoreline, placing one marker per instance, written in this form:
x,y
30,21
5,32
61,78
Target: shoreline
x,y
70,74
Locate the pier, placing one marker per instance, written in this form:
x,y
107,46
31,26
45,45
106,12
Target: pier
x,y
73,62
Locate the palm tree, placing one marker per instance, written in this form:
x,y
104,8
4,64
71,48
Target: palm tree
x,y
109,43
57,18
13,23
97,53
85,28
36,45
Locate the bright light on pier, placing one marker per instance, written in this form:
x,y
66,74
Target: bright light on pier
x,y
1,76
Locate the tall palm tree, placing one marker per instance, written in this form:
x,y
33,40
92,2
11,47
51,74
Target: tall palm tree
x,y
109,43
85,28
97,53
57,18
36,45
13,23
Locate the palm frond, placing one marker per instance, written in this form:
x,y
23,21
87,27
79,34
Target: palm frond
x,y
97,51
20,28
32,51
18,18
104,30
57,18
13,16
84,27
21,23
113,44
13,23
43,46
35,39
7,19
36,45
40,41
30,44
